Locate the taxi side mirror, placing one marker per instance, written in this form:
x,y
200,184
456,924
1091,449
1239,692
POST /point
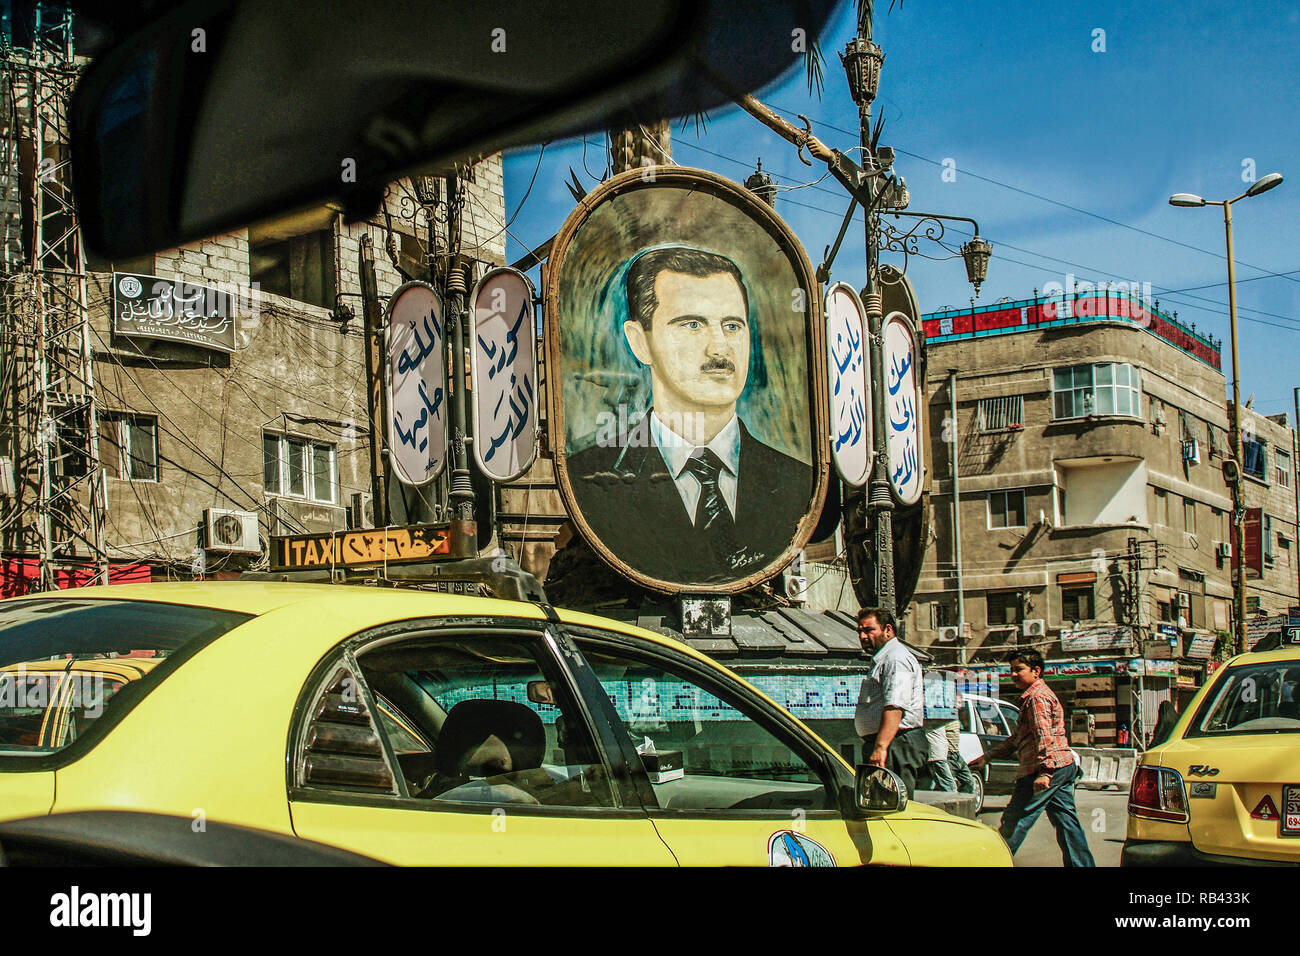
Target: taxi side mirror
x,y
877,790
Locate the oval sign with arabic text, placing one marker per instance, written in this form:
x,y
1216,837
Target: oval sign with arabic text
x,y
417,384
504,363
902,410
850,384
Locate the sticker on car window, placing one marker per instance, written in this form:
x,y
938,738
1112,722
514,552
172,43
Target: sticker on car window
x,y
787,848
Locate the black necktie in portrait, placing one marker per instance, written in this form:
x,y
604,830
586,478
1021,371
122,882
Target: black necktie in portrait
x,y
713,519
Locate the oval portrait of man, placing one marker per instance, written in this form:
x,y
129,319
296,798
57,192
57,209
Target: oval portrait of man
x,y
685,361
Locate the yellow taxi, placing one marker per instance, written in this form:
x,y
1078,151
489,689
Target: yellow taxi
x,y
1225,787
419,728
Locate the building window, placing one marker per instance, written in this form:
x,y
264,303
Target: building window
x,y
1161,506
1110,388
128,446
1001,414
295,467
942,614
1003,608
1076,604
1268,539
1282,468
299,267
1253,459
1006,509
1252,603
1189,516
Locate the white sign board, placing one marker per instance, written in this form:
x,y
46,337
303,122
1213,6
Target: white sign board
x,y
850,384
417,384
1096,639
902,410
504,363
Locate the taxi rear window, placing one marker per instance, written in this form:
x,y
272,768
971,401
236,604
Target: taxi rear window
x,y
64,662
1252,699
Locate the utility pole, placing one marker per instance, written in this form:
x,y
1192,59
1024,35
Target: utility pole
x,y
862,60
464,529
956,519
377,403
1238,491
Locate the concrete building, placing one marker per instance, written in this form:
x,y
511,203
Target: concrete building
x,y
1089,435
1272,585
273,426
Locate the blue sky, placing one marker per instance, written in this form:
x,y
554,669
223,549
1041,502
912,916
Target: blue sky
x,y
1014,94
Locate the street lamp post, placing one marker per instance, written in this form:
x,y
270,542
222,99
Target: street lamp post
x,y
1233,474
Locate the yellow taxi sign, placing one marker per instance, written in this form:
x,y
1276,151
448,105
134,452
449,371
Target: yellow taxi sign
x,y
364,548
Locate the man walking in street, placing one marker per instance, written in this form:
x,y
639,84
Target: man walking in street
x,y
891,703
1047,768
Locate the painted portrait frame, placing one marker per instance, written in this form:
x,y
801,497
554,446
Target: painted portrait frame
x,y
812,387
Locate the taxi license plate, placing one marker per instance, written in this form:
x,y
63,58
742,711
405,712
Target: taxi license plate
x,y
1291,809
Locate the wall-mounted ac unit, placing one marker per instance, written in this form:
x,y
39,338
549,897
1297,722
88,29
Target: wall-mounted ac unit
x,y
1035,627
1223,549
1192,451
233,531
948,635
796,587
361,511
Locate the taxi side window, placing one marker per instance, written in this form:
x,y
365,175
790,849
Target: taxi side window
x,y
704,747
484,720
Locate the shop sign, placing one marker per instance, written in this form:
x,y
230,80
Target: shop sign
x,y
185,312
1097,639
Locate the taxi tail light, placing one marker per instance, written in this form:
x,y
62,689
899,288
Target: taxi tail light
x,y
1157,794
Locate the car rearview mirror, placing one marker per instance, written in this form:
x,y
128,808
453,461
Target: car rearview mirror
x,y
539,692
219,114
878,790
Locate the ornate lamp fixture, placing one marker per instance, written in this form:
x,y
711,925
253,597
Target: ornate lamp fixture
x,y
976,255
761,185
862,61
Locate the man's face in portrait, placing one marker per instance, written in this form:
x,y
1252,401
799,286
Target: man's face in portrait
x,y
697,346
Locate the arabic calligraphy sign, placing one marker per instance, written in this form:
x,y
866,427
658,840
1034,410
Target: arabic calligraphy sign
x,y
155,308
504,362
346,549
850,384
902,409
417,384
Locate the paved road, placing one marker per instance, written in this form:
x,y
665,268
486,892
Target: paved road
x,y
1103,813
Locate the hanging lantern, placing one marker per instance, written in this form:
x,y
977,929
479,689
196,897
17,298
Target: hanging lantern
x,y
761,185
862,61
976,254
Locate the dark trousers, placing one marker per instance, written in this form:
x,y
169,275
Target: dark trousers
x,y
1058,801
908,753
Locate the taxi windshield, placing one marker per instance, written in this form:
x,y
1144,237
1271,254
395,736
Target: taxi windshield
x,y
1261,698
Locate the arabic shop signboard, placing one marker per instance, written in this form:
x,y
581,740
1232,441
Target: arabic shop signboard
x,y
850,384
355,549
687,381
1097,639
154,308
504,363
417,384
902,409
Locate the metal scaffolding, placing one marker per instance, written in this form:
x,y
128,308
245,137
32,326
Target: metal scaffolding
x,y
49,427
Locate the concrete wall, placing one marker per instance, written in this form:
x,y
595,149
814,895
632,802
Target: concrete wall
x,y
1277,588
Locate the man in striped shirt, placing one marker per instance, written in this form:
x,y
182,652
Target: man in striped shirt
x,y
1047,768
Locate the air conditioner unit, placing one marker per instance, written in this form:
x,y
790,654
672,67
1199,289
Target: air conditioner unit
x,y
1035,627
948,635
796,587
1223,549
361,512
234,531
1192,451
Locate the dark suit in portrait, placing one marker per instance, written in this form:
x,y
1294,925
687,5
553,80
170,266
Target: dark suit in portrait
x,y
628,496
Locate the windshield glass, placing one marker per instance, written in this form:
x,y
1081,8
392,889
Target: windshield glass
x,y
64,662
1252,699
